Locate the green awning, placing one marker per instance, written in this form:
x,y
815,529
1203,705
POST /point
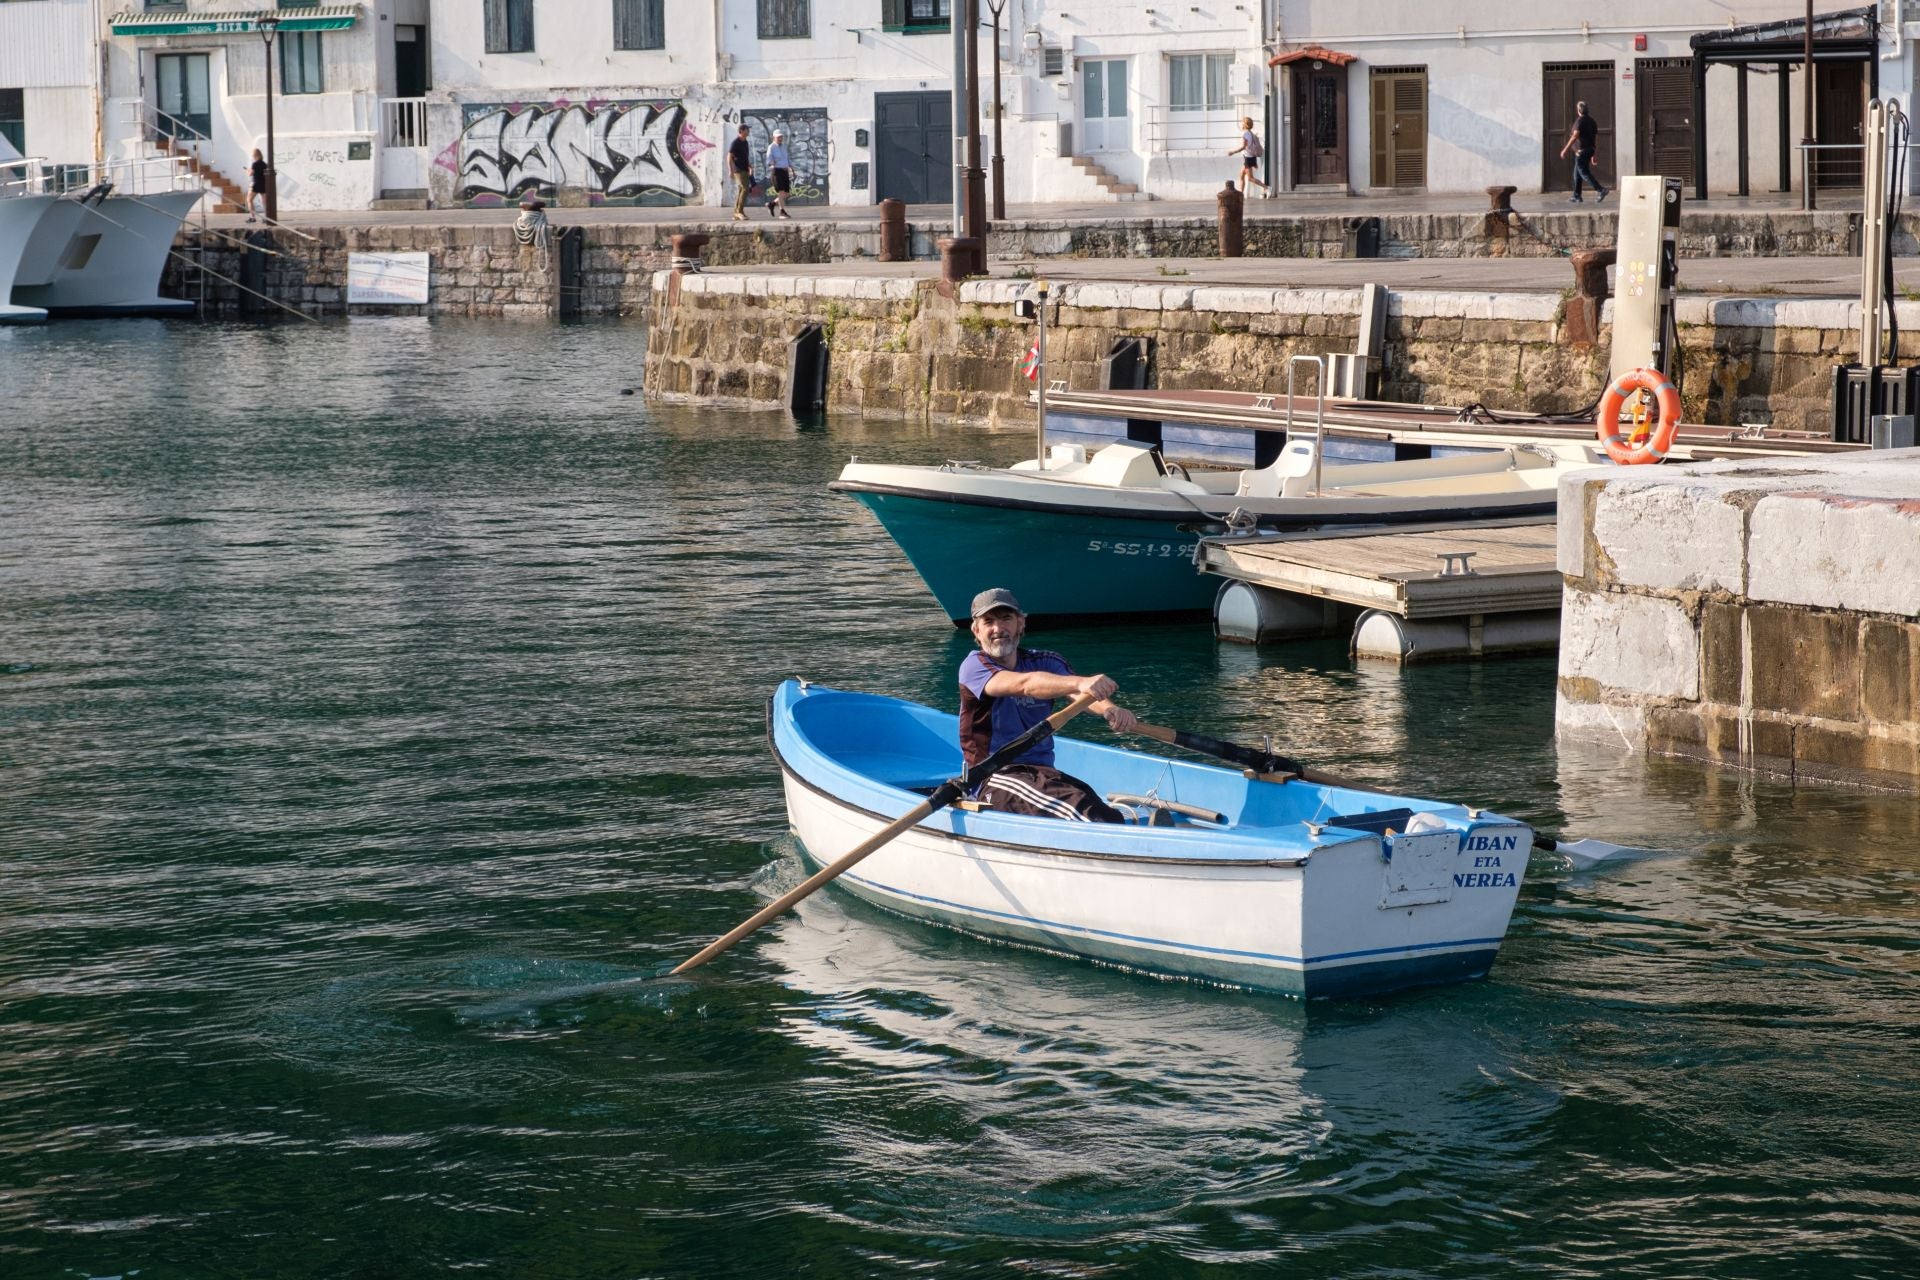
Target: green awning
x,y
180,22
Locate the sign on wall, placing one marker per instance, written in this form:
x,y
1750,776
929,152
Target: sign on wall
x,y
388,279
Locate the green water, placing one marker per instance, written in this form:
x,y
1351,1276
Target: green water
x,y
381,702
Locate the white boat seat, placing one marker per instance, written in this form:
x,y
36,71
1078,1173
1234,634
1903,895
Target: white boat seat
x,y
1288,476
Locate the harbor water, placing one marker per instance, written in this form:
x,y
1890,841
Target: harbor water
x,y
382,704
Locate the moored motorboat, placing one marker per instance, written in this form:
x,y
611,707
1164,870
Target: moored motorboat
x,y
1294,887
1114,533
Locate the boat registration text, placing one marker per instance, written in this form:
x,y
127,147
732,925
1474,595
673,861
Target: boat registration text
x,y
1153,550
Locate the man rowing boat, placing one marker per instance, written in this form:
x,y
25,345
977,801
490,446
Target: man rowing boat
x,y
1006,690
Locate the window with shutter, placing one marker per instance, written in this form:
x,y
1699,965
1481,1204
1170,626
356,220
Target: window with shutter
x,y
509,26
786,19
639,24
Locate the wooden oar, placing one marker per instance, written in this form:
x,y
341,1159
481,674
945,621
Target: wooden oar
x,y
943,795
1268,767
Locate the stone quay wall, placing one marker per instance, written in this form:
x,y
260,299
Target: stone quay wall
x,y
1762,614
898,345
482,270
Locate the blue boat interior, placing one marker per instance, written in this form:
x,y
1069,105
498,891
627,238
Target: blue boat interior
x,y
905,748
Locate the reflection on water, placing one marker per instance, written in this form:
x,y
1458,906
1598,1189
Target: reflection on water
x,y
382,708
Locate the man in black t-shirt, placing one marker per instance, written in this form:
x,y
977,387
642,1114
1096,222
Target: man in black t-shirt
x,y
740,163
1581,140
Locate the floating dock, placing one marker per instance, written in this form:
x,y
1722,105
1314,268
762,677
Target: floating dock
x,y
1420,594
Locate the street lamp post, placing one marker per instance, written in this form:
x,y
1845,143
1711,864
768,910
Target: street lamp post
x,y
268,26
997,7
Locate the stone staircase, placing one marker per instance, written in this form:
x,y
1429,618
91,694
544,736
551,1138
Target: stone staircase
x,y
227,198
1095,183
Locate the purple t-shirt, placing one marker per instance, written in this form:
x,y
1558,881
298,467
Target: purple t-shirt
x,y
987,724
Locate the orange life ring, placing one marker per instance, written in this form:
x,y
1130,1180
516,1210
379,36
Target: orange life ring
x,y
1636,441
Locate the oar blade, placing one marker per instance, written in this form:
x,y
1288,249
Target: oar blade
x,y
1590,852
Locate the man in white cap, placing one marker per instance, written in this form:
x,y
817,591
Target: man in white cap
x,y
1004,691
781,165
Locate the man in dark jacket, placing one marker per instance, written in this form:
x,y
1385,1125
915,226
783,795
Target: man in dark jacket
x,y
1581,140
740,164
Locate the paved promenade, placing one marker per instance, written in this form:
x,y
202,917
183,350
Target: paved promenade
x,y
1736,277
938,215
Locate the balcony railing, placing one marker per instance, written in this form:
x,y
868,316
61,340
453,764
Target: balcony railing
x,y
1169,129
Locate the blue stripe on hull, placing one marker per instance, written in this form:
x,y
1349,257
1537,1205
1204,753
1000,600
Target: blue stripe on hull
x,y
1339,975
1056,563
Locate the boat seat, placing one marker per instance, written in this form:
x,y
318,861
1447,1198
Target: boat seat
x,y
1286,477
1377,823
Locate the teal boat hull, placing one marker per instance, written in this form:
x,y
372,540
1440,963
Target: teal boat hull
x,y
1062,565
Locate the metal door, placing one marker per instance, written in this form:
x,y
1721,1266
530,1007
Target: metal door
x,y
913,147
1839,118
1400,127
1104,125
1565,84
185,106
1319,125
1663,110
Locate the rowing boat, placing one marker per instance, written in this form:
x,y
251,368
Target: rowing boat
x,y
1305,889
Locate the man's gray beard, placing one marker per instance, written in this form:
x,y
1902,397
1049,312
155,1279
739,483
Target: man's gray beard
x,y
1004,651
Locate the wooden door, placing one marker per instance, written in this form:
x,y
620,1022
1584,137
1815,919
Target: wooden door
x,y
1663,115
1319,125
1565,84
913,147
1400,127
1839,118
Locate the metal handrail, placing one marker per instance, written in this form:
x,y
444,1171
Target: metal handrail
x,y
33,177
1198,129
1319,413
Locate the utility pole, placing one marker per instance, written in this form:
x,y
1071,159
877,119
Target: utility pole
x,y
1806,118
976,172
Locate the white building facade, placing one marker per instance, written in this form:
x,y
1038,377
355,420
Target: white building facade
x,y
476,102
49,85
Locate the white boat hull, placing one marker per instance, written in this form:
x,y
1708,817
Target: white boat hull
x,y
1330,924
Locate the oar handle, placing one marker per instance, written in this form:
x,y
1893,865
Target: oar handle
x,y
945,794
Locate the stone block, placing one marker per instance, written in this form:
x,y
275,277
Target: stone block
x,y
1723,648
1804,663
1831,550
1890,672
1620,725
1632,644
1664,534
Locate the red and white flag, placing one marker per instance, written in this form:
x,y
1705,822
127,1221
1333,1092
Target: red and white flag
x,y
1031,365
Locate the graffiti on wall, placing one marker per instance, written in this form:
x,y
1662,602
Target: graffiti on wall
x,y
806,130
617,152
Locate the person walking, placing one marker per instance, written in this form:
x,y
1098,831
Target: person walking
x,y
257,189
780,166
1582,140
740,163
1249,152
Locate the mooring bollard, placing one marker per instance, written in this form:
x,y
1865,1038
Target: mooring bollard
x,y
1232,234
686,250
1498,222
893,230
1589,295
960,258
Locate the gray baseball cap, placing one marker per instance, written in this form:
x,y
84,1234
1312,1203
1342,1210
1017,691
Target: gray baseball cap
x,y
996,598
